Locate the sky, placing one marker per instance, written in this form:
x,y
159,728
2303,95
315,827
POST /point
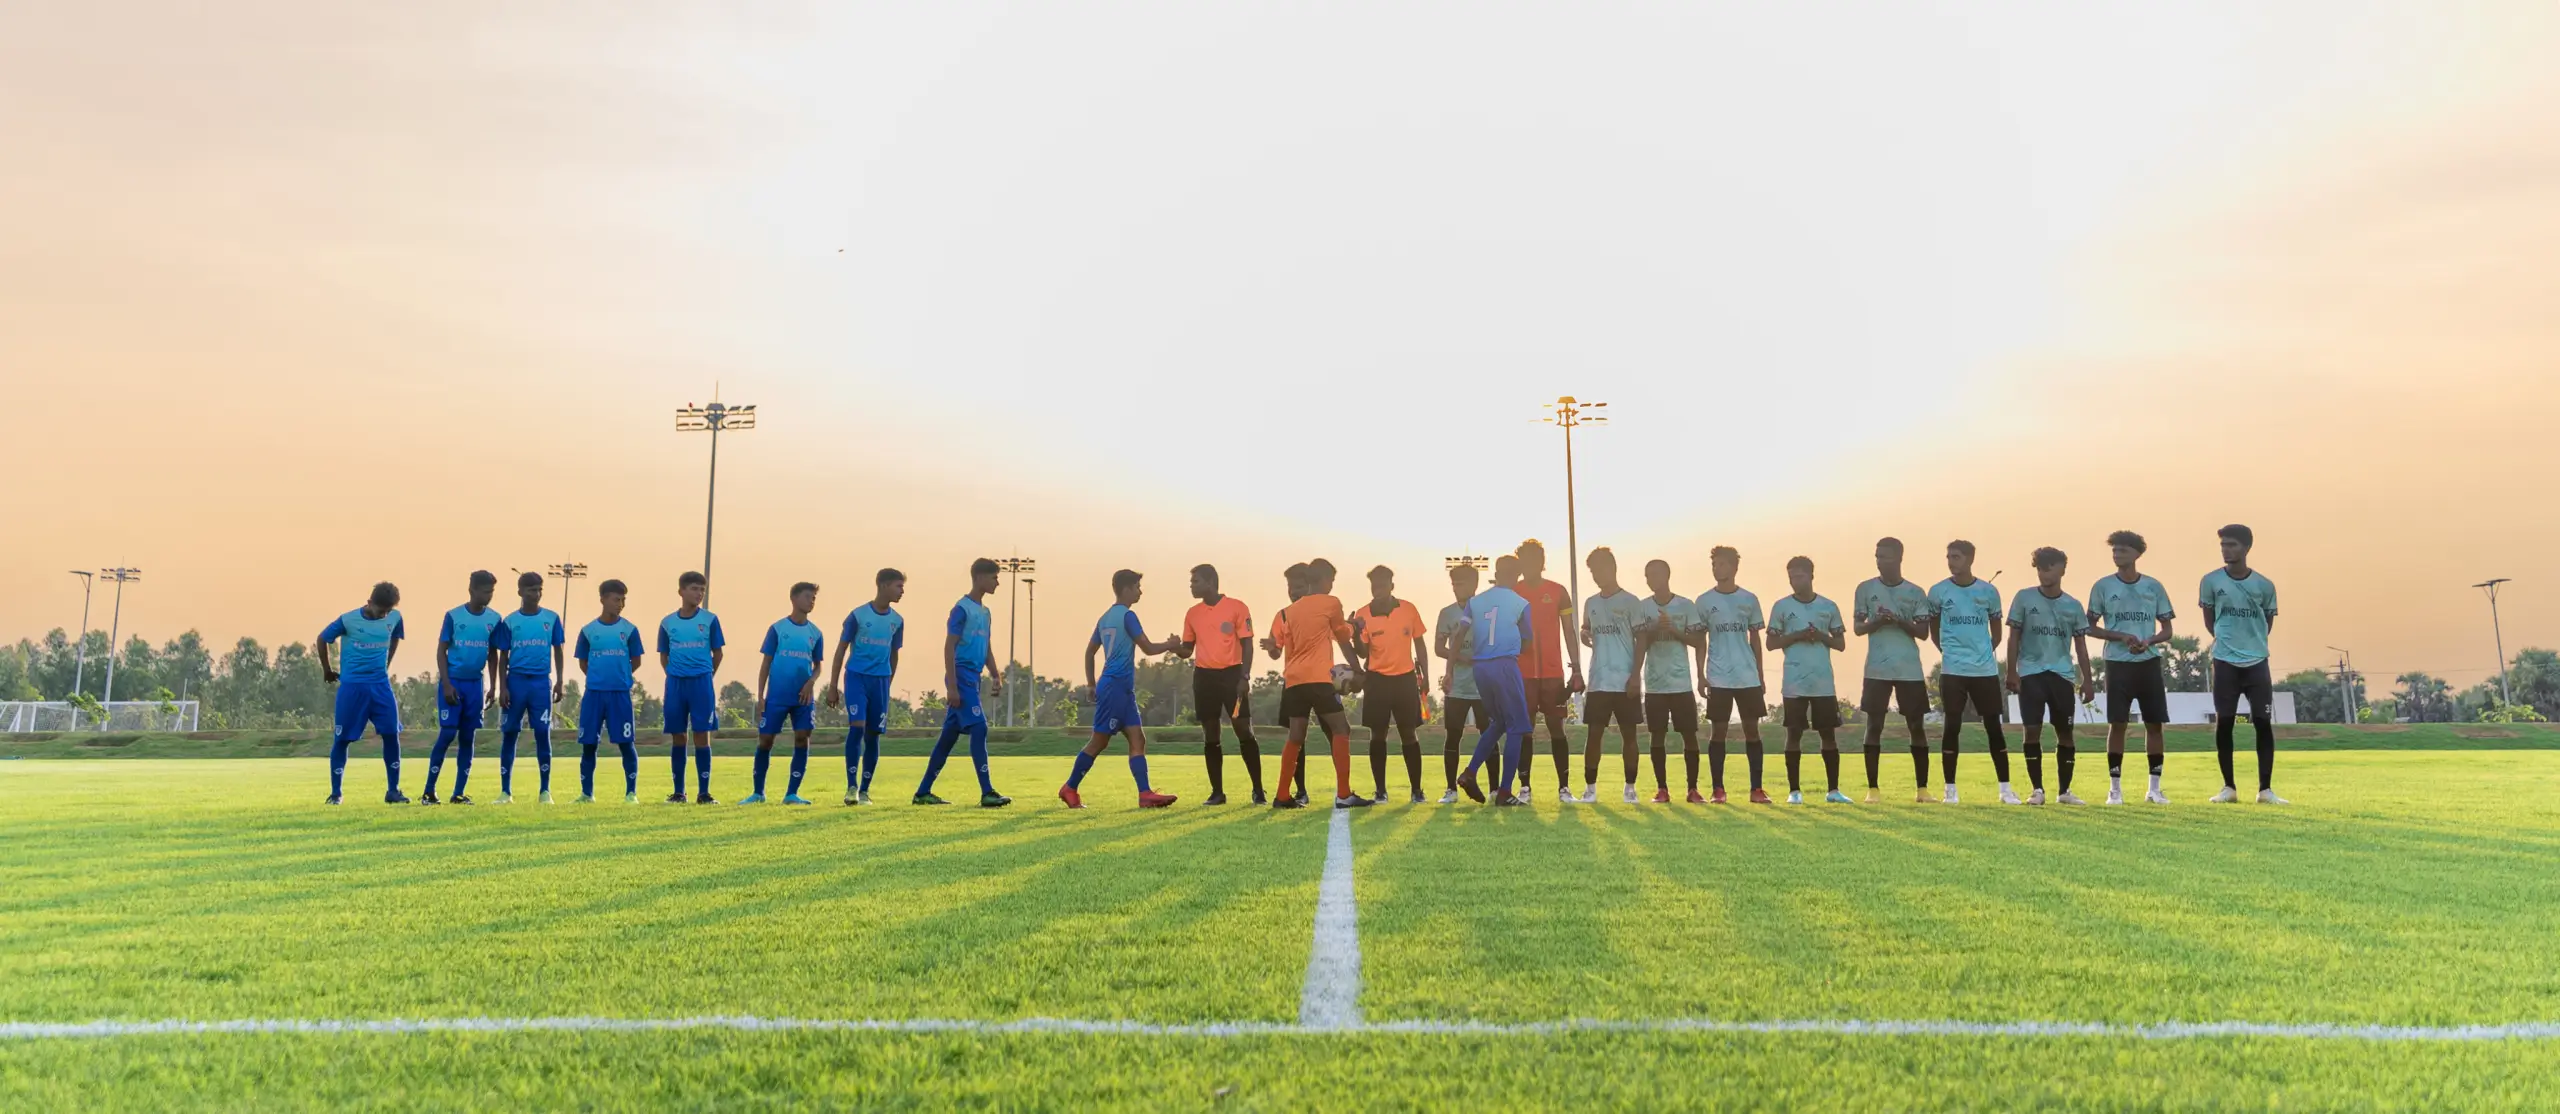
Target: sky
x,y
295,297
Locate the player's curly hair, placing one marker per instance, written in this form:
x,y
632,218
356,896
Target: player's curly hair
x,y
2046,557
1724,553
2128,539
1960,546
1799,560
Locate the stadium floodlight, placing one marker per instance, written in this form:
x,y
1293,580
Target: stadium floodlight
x,y
1031,666
122,576
1569,413
715,418
1469,561
1018,566
2491,586
80,643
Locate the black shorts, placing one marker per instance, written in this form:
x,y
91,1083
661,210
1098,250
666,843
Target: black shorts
x,y
1456,711
1822,713
2043,695
1910,696
1318,699
1982,694
1221,694
2131,682
1545,694
2231,682
1675,711
1391,698
1721,703
1599,709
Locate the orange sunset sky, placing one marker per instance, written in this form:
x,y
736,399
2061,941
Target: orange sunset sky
x,y
299,296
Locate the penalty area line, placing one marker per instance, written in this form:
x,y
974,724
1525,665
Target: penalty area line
x,y
2157,1031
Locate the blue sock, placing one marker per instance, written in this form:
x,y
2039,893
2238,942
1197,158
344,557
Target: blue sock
x,y
702,769
675,762
853,758
630,767
587,770
978,756
1138,770
941,753
337,767
1084,762
391,761
1512,757
435,759
870,756
542,754
462,765
764,761
507,764
799,768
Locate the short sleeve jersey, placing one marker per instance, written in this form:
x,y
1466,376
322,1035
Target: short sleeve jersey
x,y
1388,638
2045,629
1666,659
1892,653
686,641
1548,603
1807,671
468,638
1306,630
1730,617
1612,620
799,650
971,621
610,650
2134,609
364,652
529,639
2242,612
872,638
1453,625
1495,613
1965,616
1220,634
1118,633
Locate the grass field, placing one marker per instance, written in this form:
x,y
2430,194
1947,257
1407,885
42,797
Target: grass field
x,y
2402,888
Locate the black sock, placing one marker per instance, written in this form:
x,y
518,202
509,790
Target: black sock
x,y
1413,762
1920,764
1564,757
1252,755
2222,748
1751,753
1661,766
1875,762
2063,757
2266,755
1947,758
1831,770
1215,756
2035,764
2115,763
2157,761
1795,759
1999,749
1689,758
1715,764
1378,758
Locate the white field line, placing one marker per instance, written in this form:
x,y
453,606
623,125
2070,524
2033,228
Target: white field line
x,y
2159,1031
1331,999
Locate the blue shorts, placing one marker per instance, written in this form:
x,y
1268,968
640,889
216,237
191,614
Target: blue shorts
x,y
802,717
1505,697
528,697
690,705
463,715
366,702
1115,705
866,699
609,711
964,709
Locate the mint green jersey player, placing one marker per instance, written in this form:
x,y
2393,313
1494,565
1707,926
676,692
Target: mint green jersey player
x,y
1612,622
2242,611
1666,660
1730,617
2134,609
1807,671
1452,625
2047,629
1966,613
1892,653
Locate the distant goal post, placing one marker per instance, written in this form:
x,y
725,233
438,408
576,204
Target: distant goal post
x,y
20,717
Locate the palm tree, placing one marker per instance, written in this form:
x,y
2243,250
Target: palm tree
x,y
2425,698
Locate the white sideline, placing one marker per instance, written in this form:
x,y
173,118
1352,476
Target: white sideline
x,y
2167,1030
1331,999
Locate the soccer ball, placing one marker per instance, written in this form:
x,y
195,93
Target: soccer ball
x,y
1346,679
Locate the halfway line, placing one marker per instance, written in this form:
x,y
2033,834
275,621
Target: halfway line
x,y
1331,999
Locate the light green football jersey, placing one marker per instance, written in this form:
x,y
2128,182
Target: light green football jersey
x,y
1666,660
2045,629
1612,623
2242,612
1965,617
1453,626
2134,609
1807,671
1892,653
1730,618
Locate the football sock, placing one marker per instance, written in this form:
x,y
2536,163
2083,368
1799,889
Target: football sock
x,y
1795,760
1413,763
435,758
1288,768
764,763
587,769
978,759
1831,770
1084,762
630,766
2266,754
2035,763
702,768
1715,762
1999,750
1138,771
1661,766
870,755
337,767
2063,759
1689,761
1215,757
462,765
1378,759
1252,753
507,764
542,753
2222,747
1875,763
391,760
1920,764
1342,765
675,762
1751,754
799,768
941,754
852,758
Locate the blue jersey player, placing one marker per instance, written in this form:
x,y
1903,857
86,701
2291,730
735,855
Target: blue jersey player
x,y
795,649
1497,627
462,650
964,660
536,665
866,657
1119,639
372,634
608,651
689,646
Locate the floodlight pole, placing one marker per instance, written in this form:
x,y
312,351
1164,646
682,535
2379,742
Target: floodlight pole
x,y
1031,631
80,644
1569,412
712,418
2491,586
1014,566
115,629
